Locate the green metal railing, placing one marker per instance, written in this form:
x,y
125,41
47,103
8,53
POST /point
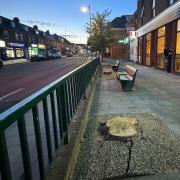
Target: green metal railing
x,y
64,96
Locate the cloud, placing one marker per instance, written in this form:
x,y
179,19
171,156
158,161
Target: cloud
x,y
40,23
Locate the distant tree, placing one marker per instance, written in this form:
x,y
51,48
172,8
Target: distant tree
x,y
100,35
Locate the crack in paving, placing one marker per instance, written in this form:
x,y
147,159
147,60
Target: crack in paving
x,y
129,157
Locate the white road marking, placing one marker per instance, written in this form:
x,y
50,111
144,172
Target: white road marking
x,y
14,92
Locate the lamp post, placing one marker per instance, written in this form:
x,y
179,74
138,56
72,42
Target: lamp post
x,y
87,9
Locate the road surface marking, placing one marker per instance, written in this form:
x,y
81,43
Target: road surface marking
x,y
14,92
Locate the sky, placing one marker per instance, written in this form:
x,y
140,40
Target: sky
x,y
63,17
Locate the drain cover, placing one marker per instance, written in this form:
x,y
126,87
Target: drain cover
x,y
121,127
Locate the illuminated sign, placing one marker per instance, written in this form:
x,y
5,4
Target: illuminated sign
x,y
124,41
41,46
133,34
34,45
16,45
2,44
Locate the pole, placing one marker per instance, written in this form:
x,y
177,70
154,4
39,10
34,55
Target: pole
x,y
90,24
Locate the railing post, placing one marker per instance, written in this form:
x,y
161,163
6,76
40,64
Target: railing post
x,y
24,148
69,87
64,112
38,141
67,100
54,120
47,128
4,158
59,113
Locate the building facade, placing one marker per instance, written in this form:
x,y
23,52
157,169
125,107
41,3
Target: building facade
x,y
157,23
21,41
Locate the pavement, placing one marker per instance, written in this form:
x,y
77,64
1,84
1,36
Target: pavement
x,y
154,152
15,61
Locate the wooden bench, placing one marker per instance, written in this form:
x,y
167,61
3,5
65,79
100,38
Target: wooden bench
x,y
115,66
127,77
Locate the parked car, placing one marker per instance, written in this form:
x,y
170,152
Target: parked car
x,y
49,55
38,58
69,54
56,55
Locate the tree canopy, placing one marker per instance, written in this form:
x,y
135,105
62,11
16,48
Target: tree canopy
x,y
99,29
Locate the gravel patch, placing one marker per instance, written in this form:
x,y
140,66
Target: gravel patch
x,y
154,150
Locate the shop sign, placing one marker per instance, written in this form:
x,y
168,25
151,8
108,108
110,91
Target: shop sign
x,y
133,34
41,46
16,45
34,45
2,44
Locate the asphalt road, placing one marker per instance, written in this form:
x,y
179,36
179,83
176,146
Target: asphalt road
x,y
18,81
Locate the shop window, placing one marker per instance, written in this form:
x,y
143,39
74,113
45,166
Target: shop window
x,y
16,36
10,53
19,53
160,47
148,48
177,61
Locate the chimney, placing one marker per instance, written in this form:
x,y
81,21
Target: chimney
x,y
47,32
16,21
35,27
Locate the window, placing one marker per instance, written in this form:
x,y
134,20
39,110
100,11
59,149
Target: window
x,y
26,28
153,8
170,2
10,53
19,53
177,61
13,24
21,37
160,46
6,34
16,36
148,48
0,20
29,39
142,15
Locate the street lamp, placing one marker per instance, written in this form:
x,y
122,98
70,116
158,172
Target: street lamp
x,y
86,9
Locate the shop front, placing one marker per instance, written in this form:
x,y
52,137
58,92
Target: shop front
x,y
33,50
2,50
41,50
15,51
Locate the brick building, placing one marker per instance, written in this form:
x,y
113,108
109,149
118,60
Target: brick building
x,y
120,27
158,26
21,41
